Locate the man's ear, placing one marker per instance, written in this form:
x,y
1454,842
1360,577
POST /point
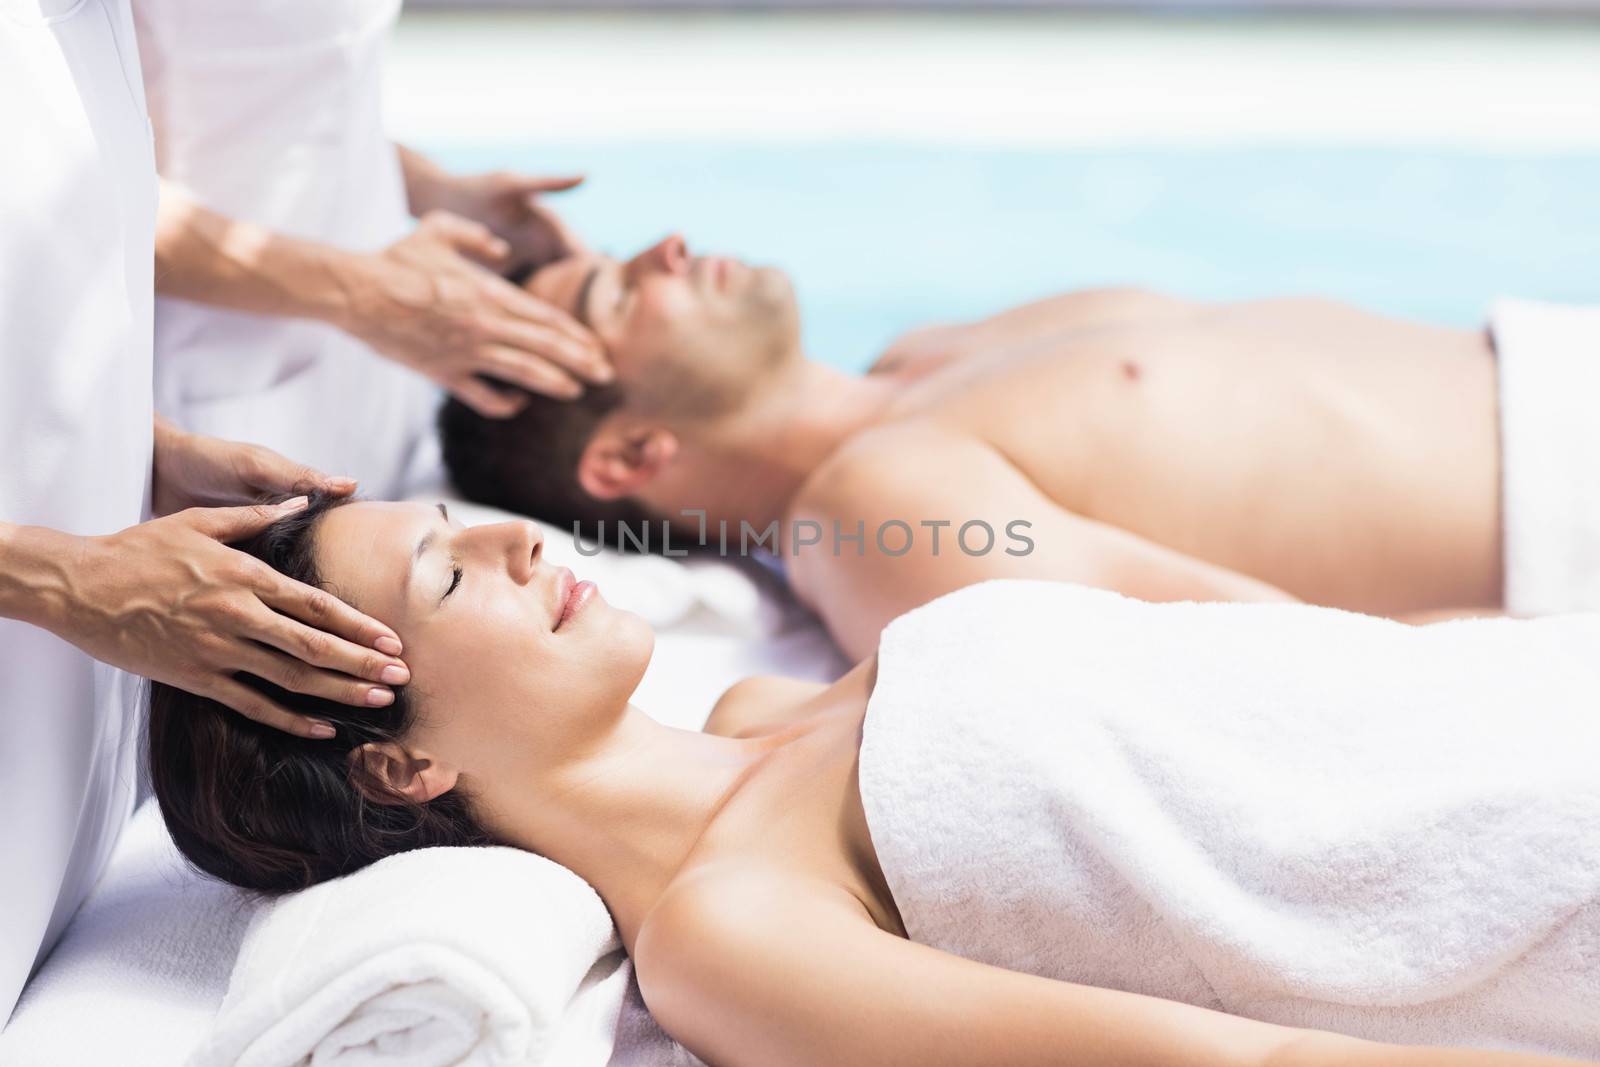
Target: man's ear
x,y
619,461
388,774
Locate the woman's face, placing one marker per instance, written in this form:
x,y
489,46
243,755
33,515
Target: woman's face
x,y
510,657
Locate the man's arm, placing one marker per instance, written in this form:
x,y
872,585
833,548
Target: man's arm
x,y
750,969
923,477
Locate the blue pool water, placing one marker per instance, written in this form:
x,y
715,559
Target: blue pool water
x,y
880,238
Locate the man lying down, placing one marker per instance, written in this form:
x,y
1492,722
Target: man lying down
x,y
1165,449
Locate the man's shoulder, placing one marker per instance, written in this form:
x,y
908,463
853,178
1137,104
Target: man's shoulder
x,y
889,459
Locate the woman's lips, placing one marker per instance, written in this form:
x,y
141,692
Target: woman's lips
x,y
574,596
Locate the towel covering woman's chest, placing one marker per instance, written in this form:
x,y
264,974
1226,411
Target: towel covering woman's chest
x,y
1382,830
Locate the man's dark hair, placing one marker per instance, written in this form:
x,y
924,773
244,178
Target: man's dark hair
x,y
529,463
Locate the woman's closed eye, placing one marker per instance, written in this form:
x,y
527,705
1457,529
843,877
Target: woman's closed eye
x,y
455,580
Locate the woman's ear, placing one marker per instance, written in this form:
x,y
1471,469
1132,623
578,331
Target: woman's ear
x,y
618,462
387,774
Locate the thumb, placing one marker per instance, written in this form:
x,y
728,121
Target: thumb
x,y
465,235
233,524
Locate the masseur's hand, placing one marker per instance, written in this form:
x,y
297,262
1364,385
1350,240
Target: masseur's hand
x,y
509,204
169,600
192,470
427,301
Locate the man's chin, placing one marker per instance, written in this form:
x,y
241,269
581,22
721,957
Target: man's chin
x,y
771,287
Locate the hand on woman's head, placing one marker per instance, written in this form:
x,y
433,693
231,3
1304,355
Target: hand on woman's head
x,y
508,651
509,673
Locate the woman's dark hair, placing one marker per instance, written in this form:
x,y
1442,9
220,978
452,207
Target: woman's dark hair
x,y
269,811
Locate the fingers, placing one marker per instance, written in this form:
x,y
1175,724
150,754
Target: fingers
x,y
271,472
544,329
537,375
548,344
297,676
467,236
318,649
253,705
233,524
486,400
345,636
534,186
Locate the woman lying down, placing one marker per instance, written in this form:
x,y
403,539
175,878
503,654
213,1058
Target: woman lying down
x,y
1043,825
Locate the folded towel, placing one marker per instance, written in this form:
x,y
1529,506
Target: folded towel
x,y
1549,360
641,1042
1289,813
472,956
146,958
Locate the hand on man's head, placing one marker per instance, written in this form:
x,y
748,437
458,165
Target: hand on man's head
x,y
430,302
511,206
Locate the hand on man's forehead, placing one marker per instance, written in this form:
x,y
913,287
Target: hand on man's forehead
x,y
567,283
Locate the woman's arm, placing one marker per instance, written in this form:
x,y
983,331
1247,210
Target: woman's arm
x,y
755,969
211,259
427,301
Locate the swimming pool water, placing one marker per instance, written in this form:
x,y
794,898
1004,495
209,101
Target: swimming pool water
x,y
880,238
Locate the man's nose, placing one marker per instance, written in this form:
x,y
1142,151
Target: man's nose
x,y
670,255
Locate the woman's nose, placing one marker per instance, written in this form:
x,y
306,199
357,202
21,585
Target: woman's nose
x,y
670,255
517,545
526,551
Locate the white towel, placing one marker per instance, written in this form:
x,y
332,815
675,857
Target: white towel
x,y
1290,813
137,978
1549,365
460,956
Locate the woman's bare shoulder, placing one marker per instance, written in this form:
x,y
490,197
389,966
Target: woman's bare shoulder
x,y
760,705
726,930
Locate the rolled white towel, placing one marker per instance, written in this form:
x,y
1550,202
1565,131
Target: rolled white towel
x,y
472,956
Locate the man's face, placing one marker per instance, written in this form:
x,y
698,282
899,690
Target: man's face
x,y
688,333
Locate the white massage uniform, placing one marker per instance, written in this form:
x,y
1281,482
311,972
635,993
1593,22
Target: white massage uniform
x,y
77,232
271,112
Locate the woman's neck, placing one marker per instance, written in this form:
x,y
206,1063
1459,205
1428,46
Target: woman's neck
x,y
626,816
